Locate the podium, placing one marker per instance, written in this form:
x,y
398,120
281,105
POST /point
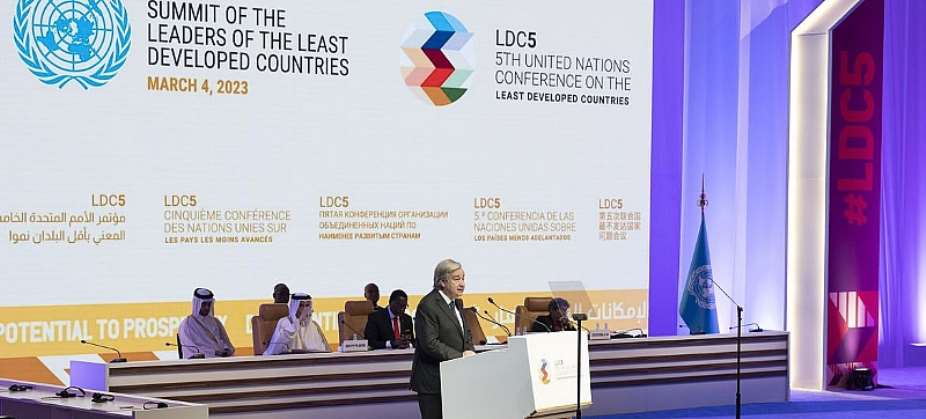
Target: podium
x,y
535,377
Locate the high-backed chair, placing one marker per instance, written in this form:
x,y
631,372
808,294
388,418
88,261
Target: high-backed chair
x,y
472,323
264,323
353,320
524,315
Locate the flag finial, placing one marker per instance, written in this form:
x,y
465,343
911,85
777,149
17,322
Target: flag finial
x,y
702,201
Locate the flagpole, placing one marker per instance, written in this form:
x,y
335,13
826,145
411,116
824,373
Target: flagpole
x,y
702,202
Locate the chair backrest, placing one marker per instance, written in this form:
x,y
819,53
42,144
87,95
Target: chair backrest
x,y
475,328
526,314
264,323
179,347
353,320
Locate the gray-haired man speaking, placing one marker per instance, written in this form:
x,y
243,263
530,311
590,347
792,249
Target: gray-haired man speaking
x,y
442,335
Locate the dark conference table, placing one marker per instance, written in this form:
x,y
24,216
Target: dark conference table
x,y
628,375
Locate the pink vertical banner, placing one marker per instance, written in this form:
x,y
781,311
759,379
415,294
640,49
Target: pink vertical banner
x,y
854,192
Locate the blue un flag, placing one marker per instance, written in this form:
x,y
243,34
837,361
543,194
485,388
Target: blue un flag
x,y
698,307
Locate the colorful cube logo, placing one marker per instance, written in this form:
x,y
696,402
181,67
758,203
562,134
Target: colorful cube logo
x,y
436,59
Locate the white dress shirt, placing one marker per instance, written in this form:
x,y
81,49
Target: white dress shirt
x,y
447,301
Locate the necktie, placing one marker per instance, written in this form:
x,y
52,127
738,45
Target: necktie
x,y
396,333
456,314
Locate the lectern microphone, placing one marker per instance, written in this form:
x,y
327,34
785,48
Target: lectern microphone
x,y
493,321
120,358
491,301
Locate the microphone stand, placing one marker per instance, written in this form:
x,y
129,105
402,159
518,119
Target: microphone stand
x,y
702,202
739,338
579,317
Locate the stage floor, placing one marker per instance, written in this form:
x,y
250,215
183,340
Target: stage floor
x,y
904,396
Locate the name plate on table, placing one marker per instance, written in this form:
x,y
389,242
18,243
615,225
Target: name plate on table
x,y
357,345
599,335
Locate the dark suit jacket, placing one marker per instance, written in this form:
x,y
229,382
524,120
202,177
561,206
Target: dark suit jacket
x,y
554,327
439,339
379,328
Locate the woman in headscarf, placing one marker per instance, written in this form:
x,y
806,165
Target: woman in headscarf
x,y
201,332
297,332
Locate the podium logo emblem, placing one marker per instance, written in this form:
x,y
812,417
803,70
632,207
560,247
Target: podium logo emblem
x,y
437,57
84,41
544,373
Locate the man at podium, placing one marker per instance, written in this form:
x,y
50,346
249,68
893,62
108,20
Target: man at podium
x,y
441,335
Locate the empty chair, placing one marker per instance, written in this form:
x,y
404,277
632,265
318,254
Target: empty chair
x,y
263,324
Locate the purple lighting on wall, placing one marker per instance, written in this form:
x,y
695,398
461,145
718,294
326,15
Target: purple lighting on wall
x,y
756,63
668,89
903,181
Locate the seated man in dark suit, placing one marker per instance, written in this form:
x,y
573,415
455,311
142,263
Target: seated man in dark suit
x,y
390,328
557,320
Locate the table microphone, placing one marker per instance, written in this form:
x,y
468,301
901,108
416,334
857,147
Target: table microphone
x,y
114,360
357,334
491,301
198,355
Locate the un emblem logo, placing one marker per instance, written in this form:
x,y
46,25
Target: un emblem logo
x,y
701,286
85,41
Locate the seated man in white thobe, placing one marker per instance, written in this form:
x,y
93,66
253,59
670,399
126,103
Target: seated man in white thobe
x,y
201,332
297,333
